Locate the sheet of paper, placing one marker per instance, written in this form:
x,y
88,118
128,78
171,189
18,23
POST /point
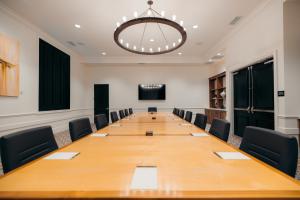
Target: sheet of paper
x,y
62,156
199,134
144,178
185,124
115,125
99,134
232,156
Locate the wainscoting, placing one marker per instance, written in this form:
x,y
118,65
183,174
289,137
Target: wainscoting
x,y
59,120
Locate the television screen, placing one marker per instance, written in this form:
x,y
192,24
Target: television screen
x,y
152,91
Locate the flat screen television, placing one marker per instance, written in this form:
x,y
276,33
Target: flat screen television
x,y
152,91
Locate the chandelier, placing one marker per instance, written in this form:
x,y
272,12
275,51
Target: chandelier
x,y
172,35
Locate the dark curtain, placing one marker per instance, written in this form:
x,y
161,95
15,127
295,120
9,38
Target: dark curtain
x,y
54,78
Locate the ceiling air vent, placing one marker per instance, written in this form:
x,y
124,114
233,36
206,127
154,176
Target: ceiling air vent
x,y
235,20
71,43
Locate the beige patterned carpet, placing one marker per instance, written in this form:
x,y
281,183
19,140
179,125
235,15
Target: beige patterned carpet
x,y
64,139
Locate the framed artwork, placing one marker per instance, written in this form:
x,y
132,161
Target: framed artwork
x,y
9,66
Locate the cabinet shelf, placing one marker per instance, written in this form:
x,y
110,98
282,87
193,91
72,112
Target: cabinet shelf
x,y
217,85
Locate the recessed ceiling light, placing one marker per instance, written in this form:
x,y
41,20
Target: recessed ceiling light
x,y
124,18
195,26
181,23
179,40
135,14
174,44
103,53
77,26
151,40
149,12
210,61
158,48
219,54
118,24
134,47
162,13
173,17
180,53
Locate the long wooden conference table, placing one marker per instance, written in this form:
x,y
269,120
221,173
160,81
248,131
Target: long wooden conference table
x,y
187,167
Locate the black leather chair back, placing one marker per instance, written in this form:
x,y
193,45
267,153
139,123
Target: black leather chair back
x,y
271,147
121,114
188,116
100,121
126,112
220,128
130,111
200,121
181,114
114,116
174,111
24,146
152,109
79,128
177,112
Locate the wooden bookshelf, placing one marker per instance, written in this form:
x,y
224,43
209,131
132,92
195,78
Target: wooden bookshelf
x,y
217,85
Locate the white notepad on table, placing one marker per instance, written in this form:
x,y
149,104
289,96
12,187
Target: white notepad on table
x,y
62,156
232,156
199,134
185,124
144,178
115,125
99,134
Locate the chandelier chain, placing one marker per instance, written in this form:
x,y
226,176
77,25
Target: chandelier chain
x,y
141,42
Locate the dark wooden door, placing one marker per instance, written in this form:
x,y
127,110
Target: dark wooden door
x,y
101,99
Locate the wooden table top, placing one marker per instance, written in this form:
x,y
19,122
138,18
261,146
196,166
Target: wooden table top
x,y
187,168
138,124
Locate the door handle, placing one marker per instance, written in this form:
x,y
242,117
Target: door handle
x,y
252,110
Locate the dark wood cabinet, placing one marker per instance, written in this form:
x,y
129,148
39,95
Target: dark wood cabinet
x,y
217,91
215,113
217,98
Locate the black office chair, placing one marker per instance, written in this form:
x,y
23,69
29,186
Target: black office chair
x,y
100,121
79,128
177,112
152,109
121,114
174,111
114,116
181,114
126,112
130,111
271,147
220,128
200,121
188,116
24,146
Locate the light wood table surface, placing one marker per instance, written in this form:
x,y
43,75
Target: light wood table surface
x,y
187,168
138,124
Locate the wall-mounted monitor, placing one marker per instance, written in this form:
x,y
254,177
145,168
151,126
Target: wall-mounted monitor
x,y
152,91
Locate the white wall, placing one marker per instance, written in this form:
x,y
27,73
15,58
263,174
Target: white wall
x,y
22,112
291,16
258,36
186,86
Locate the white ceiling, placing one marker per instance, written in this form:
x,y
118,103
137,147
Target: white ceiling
x,y
98,21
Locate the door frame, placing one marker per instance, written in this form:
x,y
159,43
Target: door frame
x,y
237,67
